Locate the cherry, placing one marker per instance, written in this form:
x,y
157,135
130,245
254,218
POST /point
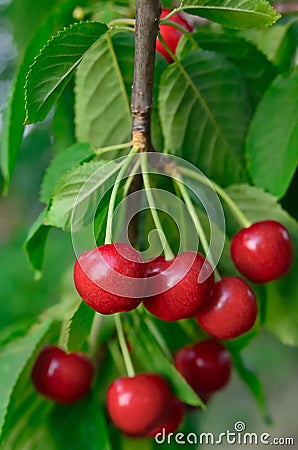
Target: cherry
x,y
172,418
137,404
230,311
262,252
170,34
61,377
176,291
205,365
109,278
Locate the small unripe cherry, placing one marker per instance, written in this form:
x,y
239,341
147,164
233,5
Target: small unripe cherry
x,y
61,377
230,311
262,252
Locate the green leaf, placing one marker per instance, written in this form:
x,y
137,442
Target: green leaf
x,y
90,176
253,383
13,360
204,114
35,243
103,90
255,67
12,132
53,67
79,327
234,13
150,355
282,305
272,141
83,426
62,163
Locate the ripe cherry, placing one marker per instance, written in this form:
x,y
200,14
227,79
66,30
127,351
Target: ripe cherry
x,y
179,286
172,418
206,366
61,377
262,252
171,35
109,278
137,404
230,311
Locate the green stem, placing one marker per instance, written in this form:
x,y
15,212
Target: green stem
x,y
114,23
110,148
238,214
144,166
94,333
130,178
185,32
122,342
197,224
125,165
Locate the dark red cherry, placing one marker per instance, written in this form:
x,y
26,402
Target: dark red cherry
x,y
109,278
171,35
176,289
206,366
230,311
137,404
262,252
172,418
61,377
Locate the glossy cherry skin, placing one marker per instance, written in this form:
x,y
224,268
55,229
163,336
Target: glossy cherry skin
x,y
171,35
230,311
206,366
172,418
262,252
178,299
61,377
137,404
109,278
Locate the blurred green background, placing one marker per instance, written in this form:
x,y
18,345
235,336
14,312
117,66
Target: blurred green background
x,y
21,296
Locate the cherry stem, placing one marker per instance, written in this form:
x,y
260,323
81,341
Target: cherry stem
x,y
125,21
125,164
238,214
198,225
144,167
101,150
165,45
123,345
183,30
94,333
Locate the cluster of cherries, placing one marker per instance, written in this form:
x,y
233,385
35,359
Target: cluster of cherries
x,y
224,309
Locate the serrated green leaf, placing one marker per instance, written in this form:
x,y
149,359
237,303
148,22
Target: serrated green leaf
x,y
272,141
83,426
54,66
13,360
255,67
35,243
62,163
103,88
204,114
234,13
152,358
282,295
79,327
91,176
12,132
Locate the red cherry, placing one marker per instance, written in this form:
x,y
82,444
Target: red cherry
x,y
171,35
262,252
230,311
61,377
172,419
176,292
137,404
206,366
109,278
